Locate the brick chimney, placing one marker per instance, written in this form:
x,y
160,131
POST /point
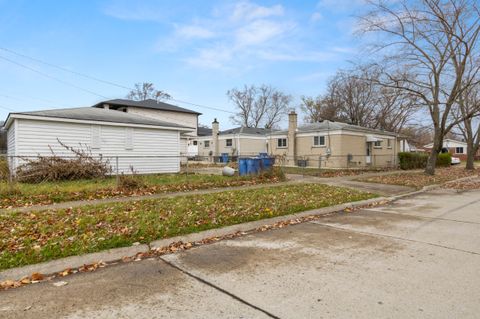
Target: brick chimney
x,y
215,131
292,132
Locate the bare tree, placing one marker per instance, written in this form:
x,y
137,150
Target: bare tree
x,y
469,127
427,45
354,96
261,106
145,91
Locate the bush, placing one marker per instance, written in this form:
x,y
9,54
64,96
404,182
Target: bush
x,y
130,182
412,160
56,168
4,170
419,160
444,159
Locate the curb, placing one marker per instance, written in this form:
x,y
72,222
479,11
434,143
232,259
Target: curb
x,y
116,254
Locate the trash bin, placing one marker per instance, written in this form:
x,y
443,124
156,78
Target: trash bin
x,y
263,155
224,158
267,163
242,166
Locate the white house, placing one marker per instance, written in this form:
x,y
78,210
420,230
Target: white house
x,y
148,145
160,111
456,148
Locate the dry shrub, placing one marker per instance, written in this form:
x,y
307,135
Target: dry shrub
x,y
130,182
4,170
81,165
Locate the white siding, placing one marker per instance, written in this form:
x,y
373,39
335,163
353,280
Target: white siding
x,y
184,119
151,151
11,140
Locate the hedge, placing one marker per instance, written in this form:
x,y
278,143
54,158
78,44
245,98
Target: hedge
x,y
419,160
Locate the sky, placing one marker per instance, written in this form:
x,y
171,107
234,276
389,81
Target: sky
x,y
194,50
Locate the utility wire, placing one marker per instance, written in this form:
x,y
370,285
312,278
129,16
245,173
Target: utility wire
x,y
101,80
52,77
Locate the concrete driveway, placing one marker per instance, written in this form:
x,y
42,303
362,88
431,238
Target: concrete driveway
x,y
416,258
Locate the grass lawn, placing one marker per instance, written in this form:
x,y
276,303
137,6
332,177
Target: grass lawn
x,y
325,172
27,238
25,194
419,179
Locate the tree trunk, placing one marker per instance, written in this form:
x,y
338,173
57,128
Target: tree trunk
x,y
432,158
471,150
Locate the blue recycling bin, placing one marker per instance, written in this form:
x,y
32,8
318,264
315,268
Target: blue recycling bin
x,y
251,166
263,155
267,163
242,166
224,157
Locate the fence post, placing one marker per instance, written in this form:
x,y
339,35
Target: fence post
x,y
186,173
117,171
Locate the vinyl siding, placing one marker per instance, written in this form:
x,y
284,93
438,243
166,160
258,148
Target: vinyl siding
x,y
146,150
11,140
184,119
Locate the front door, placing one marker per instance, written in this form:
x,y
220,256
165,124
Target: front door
x,y
368,159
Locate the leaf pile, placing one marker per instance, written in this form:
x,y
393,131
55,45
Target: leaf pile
x,y
419,179
329,173
469,184
45,235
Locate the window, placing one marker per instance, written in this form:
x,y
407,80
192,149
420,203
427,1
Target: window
x,y
207,144
195,143
129,138
95,136
319,141
377,144
389,143
458,150
228,142
281,142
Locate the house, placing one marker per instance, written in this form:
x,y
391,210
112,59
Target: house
x,y
240,141
147,144
3,139
161,111
455,147
334,145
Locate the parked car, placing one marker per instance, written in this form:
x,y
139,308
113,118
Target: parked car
x,y
455,160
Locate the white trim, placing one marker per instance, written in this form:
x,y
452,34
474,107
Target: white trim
x,y
67,120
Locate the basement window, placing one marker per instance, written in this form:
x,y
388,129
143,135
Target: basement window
x,y
282,143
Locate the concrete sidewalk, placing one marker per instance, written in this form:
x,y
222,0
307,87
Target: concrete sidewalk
x,y
415,258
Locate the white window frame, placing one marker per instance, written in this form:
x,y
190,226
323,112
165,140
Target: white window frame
x,y
129,138
379,145
96,137
206,144
229,140
282,139
318,138
389,143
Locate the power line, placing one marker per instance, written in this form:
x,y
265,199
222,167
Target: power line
x,y
52,77
103,81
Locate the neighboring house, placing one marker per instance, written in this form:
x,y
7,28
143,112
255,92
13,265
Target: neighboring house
x,y
161,111
456,148
334,145
148,145
240,141
3,139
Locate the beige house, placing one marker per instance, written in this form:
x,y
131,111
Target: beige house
x,y
240,141
334,145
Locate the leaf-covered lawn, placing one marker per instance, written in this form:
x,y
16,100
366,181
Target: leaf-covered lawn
x,y
27,238
419,179
324,172
25,194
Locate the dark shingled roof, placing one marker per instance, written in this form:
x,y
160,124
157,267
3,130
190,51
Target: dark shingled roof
x,y
102,115
148,104
203,131
246,130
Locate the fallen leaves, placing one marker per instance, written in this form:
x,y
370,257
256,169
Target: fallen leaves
x,y
419,179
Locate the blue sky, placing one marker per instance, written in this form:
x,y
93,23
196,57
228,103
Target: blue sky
x,y
194,50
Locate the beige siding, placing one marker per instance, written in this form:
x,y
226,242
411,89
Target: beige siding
x,y
151,150
184,119
242,145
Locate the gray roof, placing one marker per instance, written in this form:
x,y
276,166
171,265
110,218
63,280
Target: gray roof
x,y
246,130
331,125
102,115
203,131
148,104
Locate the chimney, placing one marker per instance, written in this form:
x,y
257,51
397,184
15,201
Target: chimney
x,y
215,131
106,106
292,131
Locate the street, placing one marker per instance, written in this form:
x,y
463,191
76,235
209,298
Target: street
x,y
418,257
